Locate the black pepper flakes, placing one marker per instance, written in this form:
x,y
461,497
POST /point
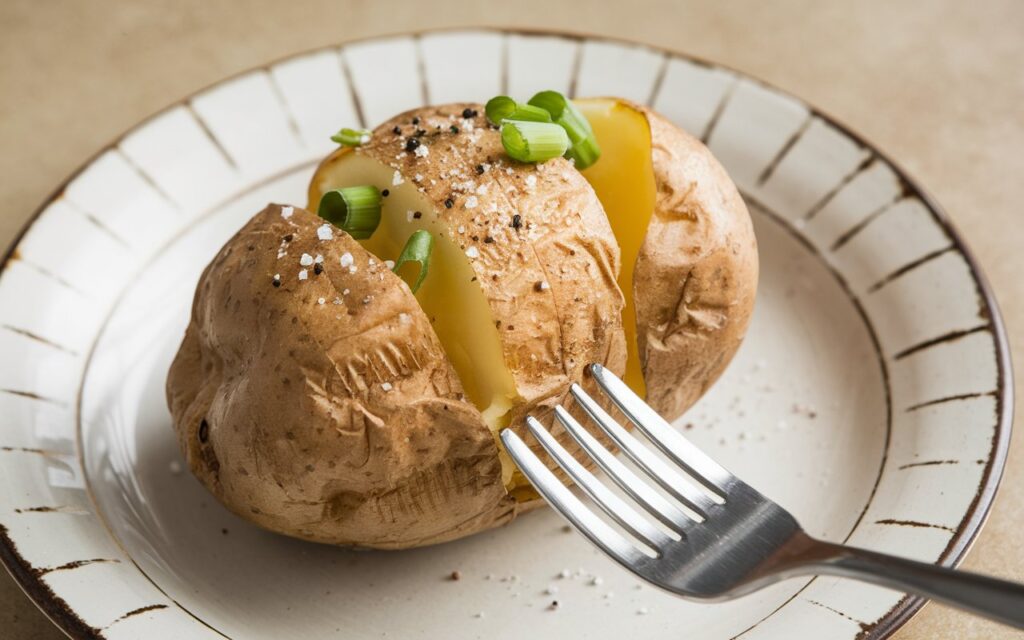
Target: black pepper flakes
x,y
475,238
449,203
468,113
488,240
416,120
453,129
517,221
412,144
318,268
276,282
397,130
385,193
420,133
289,238
417,214
479,169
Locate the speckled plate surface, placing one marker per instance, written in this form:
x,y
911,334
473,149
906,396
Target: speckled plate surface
x,y
872,397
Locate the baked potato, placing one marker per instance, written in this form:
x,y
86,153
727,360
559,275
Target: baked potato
x,y
318,396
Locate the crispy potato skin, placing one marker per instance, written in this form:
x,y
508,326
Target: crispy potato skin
x,y
696,274
551,283
282,408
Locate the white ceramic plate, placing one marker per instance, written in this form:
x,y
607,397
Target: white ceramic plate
x,y
871,397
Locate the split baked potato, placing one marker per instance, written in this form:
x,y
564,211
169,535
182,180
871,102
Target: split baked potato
x,y
316,395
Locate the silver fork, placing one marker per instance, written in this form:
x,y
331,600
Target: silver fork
x,y
720,541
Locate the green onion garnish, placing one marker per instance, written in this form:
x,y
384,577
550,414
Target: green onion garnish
x,y
583,150
533,141
417,249
503,108
356,210
352,137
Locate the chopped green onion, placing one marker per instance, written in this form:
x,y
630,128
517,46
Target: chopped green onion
x,y
503,108
417,249
583,150
356,210
533,141
352,137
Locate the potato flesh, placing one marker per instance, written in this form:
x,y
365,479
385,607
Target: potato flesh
x,y
455,304
623,179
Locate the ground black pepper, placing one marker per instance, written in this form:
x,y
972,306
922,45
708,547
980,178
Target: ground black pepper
x,y
411,144
454,129
397,130
468,113
449,203
517,221
385,193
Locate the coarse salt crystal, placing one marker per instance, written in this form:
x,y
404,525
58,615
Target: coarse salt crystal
x,y
482,190
418,177
472,252
346,259
409,215
508,170
324,232
422,151
543,286
531,181
471,202
397,179
321,300
346,292
303,274
353,269
286,212
404,318
386,386
318,259
461,229
306,260
337,301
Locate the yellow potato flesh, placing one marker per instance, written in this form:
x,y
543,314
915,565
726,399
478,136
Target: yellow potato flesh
x,y
623,179
450,296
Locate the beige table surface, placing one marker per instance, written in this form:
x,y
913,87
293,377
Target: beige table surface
x,y
939,85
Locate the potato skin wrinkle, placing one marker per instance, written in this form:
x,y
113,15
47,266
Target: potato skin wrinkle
x,y
696,275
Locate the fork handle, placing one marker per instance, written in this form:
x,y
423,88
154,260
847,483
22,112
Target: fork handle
x,y
988,597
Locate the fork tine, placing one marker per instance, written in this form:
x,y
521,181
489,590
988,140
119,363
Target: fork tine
x,y
614,506
672,444
572,509
680,487
669,514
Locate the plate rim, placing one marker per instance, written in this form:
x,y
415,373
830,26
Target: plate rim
x,y
64,618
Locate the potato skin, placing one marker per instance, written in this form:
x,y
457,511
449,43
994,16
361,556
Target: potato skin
x,y
282,406
696,274
551,282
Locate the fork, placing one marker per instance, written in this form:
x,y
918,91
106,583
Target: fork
x,y
719,538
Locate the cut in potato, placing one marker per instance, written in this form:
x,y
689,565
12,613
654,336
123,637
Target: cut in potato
x,y
450,296
689,255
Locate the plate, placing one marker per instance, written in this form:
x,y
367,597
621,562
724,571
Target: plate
x,y
871,397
